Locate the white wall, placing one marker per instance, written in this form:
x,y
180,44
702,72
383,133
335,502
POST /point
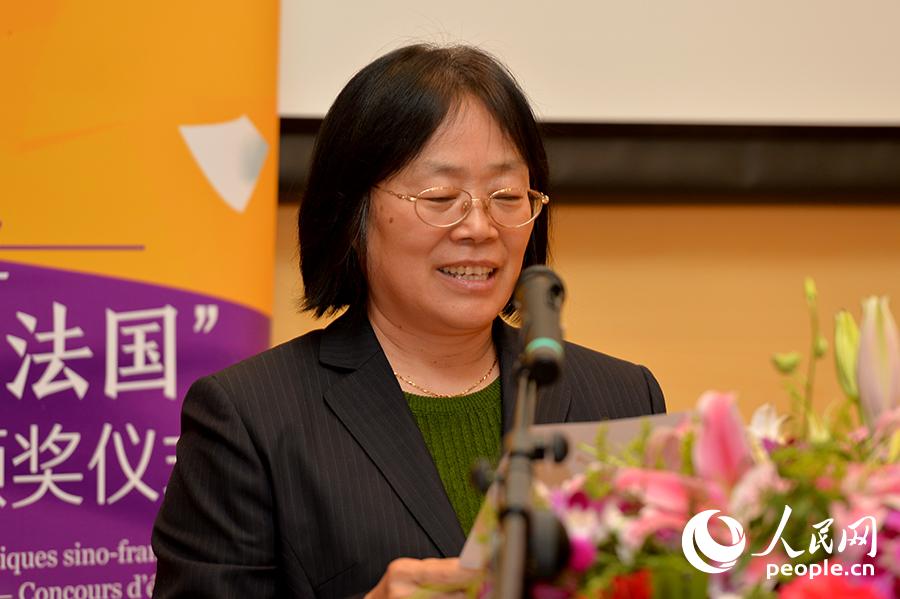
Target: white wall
x,y
704,61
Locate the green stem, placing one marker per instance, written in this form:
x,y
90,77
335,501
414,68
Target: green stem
x,y
796,407
811,367
794,393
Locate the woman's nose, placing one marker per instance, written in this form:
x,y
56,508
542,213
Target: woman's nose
x,y
477,224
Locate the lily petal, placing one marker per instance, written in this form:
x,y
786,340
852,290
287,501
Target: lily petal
x,y
721,450
846,352
878,370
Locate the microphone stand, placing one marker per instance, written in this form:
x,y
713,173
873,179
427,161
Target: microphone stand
x,y
526,536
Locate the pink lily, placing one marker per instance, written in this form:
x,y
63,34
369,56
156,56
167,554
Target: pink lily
x,y
664,446
653,521
667,490
721,451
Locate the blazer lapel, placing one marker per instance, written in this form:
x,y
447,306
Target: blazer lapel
x,y
371,405
553,401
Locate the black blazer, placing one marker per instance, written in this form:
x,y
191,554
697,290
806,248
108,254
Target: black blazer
x,y
301,472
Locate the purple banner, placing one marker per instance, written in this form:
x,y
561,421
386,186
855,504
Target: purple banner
x,y
92,374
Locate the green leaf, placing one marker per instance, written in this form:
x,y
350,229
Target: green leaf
x,y
687,453
672,576
894,451
818,431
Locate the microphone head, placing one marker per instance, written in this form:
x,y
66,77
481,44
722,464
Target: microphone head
x,y
540,271
538,298
538,283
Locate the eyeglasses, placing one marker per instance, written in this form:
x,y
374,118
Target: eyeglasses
x,y
448,206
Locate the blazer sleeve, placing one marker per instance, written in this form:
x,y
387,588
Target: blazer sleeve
x,y
657,401
215,535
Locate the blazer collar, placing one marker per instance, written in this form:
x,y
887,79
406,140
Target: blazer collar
x,y
370,403
349,341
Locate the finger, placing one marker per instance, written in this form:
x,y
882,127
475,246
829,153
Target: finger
x,y
404,568
403,590
429,593
444,571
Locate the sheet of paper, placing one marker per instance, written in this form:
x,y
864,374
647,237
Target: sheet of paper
x,y
619,433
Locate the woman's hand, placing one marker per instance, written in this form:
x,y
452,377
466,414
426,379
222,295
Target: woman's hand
x,y
436,577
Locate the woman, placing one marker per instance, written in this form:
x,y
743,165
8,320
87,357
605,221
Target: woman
x,y
308,470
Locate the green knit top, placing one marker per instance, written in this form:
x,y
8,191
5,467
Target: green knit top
x,y
458,431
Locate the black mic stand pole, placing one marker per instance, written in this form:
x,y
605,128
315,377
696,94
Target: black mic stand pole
x,y
533,543
515,494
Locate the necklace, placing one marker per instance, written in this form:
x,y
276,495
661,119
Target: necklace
x,y
433,394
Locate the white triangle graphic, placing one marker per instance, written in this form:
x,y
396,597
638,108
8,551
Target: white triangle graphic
x,y
231,155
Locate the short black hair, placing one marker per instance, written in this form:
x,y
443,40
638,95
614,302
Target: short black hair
x,y
377,125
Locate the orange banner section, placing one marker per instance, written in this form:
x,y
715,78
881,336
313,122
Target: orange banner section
x,y
140,141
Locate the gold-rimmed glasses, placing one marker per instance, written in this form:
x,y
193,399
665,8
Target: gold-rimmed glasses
x,y
510,207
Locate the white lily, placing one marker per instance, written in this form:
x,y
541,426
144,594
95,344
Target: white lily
x,y
766,424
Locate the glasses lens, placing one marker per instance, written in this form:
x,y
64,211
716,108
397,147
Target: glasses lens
x,y
442,206
515,207
446,206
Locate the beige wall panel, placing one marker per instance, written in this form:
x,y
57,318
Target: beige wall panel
x,y
692,61
703,294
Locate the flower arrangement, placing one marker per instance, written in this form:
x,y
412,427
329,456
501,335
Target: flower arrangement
x,y
806,505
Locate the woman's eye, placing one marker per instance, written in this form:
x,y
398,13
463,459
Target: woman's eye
x,y
508,197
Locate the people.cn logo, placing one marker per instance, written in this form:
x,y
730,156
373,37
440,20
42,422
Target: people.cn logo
x,y
696,536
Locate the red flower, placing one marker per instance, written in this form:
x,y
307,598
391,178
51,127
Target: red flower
x,y
630,586
827,586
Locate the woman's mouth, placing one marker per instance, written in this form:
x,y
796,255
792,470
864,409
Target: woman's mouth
x,y
469,273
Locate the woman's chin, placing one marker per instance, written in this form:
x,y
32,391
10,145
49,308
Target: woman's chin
x,y
470,316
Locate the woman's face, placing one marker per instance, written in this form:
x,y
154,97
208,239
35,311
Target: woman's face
x,y
415,270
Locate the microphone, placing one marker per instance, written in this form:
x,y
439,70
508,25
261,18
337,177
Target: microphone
x,y
538,298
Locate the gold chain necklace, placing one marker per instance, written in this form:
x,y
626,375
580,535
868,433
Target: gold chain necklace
x,y
433,394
